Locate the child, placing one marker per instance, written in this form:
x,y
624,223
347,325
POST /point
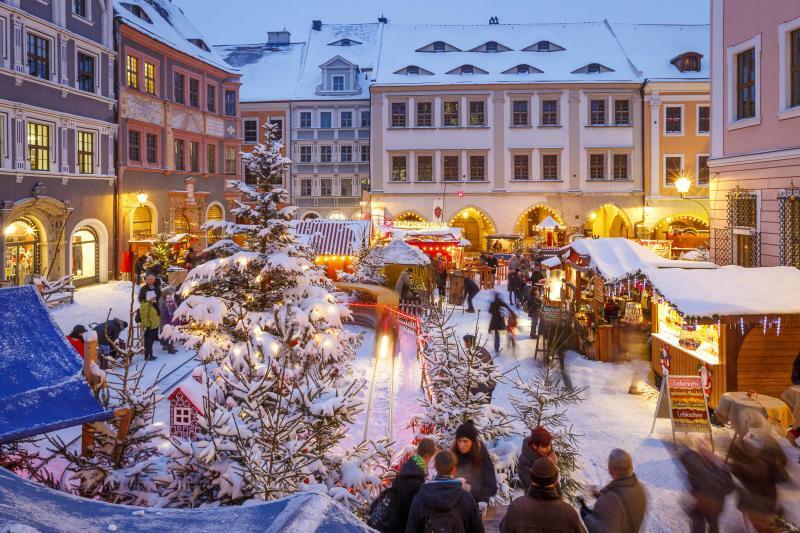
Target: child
x,y
511,330
167,307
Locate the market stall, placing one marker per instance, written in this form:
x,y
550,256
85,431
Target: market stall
x,y
551,233
504,243
433,241
398,256
335,242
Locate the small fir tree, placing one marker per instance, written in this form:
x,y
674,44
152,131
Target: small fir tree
x,y
161,251
368,265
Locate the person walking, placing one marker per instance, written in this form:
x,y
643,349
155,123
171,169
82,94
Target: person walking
x,y
620,505
534,310
166,311
491,262
441,275
512,286
541,509
538,444
471,289
497,322
474,464
444,504
75,338
403,285
149,318
759,471
709,484
486,358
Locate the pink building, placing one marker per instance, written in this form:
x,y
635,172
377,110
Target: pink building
x,y
755,143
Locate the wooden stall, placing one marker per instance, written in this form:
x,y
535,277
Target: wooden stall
x,y
335,242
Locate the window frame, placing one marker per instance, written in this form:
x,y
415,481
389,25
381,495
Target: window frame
x,y
230,111
245,122
138,145
334,79
788,97
428,115
46,61
681,120
300,152
39,148
664,181
594,114
342,121
230,165
211,160
345,148
451,156
395,170
515,166
328,114
520,119
211,97
627,112
150,80
483,173
194,156
699,132
80,75
590,166
185,413
132,74
418,175
303,183
365,113
476,114
362,151
304,115
326,153
179,164
613,169
196,94
543,175
87,9
176,75
543,113
733,120
322,183
450,115
80,154
278,121
398,114
699,183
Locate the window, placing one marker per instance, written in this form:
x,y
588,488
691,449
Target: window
x,y
86,72
519,113
521,167
620,168
230,103
398,114
151,147
194,92
79,7
326,187
149,78
325,119
425,168
622,112
451,114
491,46
230,160
702,170
346,187
346,119
673,120
794,69
703,119
305,119
338,83
180,154
194,156
412,70
399,168
549,112
250,128
365,115
673,168
364,152
278,123
132,72
424,114
438,46
38,56
523,69
183,416
450,170
345,154
179,88
85,152
134,146
550,167
305,154
594,68
467,69
597,166
211,158
211,98
597,112
746,84
305,187
477,116
325,154
789,220
477,168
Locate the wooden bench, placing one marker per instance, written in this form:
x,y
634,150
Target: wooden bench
x,y
55,292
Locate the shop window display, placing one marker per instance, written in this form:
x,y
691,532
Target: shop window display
x,y
85,256
21,251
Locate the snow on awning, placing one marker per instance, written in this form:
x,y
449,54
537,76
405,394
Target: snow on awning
x,y
552,262
399,252
335,237
178,237
548,223
43,388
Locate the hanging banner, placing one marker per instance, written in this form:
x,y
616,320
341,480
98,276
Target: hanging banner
x,y
438,210
682,399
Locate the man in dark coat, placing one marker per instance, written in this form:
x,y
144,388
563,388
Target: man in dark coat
x,y
709,484
107,334
512,286
486,358
408,482
621,505
471,289
541,509
138,267
534,310
497,322
444,500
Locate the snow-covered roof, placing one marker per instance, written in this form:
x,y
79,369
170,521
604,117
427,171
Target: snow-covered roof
x,y
196,392
548,223
334,237
552,262
269,71
398,252
729,290
439,234
652,47
166,23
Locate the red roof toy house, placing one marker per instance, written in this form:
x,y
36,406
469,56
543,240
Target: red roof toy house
x,y
185,405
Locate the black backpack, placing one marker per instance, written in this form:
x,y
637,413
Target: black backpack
x,y
445,521
383,509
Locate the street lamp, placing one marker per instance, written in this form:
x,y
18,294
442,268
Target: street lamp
x,y
682,185
141,197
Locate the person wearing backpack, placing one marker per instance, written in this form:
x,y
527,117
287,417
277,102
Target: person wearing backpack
x,y
444,505
621,505
389,512
474,464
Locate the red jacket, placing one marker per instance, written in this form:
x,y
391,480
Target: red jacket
x,y
77,344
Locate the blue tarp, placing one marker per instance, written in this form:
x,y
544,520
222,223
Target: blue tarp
x,y
42,388
23,502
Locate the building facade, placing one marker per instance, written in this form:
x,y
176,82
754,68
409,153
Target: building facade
x,y
179,120
57,129
755,147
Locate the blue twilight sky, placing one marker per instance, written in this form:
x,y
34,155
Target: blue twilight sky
x,y
247,21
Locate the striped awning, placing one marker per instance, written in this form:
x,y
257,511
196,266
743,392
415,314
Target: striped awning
x,y
335,237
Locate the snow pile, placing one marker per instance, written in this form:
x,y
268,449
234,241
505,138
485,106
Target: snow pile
x,y
398,252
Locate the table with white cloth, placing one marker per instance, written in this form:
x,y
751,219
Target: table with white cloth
x,y
746,414
792,398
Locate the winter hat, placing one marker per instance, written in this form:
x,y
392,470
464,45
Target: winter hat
x,y
468,430
544,472
541,436
78,330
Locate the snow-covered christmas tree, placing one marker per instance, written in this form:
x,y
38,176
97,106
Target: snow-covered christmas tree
x,y
161,251
368,264
268,330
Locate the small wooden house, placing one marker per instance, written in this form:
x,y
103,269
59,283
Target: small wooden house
x,y
185,406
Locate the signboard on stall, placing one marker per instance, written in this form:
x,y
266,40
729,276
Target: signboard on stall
x,y
682,399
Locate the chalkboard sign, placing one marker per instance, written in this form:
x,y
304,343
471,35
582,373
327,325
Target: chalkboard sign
x,y
682,400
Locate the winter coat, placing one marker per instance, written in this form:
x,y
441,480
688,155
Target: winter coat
x,y
541,510
526,460
513,263
442,495
407,484
470,287
166,310
77,343
138,266
480,476
403,284
497,322
709,483
796,370
512,281
620,507
486,358
109,331
534,304
148,312
759,471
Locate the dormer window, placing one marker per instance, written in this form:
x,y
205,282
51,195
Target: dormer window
x,y
593,68
688,62
544,46
523,68
438,47
338,83
345,42
137,11
467,70
200,43
491,46
414,70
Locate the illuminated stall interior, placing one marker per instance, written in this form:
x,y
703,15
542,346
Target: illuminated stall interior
x,y
475,226
22,250
608,220
541,226
685,232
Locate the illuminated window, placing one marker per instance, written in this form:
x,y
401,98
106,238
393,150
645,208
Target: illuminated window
x,y
149,78
132,72
85,152
39,146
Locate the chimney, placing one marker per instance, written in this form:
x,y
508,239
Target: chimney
x,y
316,25
382,19
494,20
279,37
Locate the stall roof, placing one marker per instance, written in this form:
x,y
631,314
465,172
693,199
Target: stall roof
x,y
445,233
506,236
398,252
27,506
552,262
548,223
42,388
335,237
729,290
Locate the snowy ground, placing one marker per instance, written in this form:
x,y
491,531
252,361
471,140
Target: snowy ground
x,y
608,418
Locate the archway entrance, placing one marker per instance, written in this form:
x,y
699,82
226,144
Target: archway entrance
x,y
409,216
214,214
22,250
684,231
85,256
310,216
528,225
475,227
608,220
